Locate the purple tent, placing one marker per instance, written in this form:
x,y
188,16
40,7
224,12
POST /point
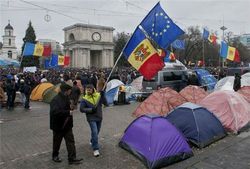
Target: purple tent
x,y
155,141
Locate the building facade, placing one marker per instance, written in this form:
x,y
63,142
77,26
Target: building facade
x,y
245,40
9,49
89,45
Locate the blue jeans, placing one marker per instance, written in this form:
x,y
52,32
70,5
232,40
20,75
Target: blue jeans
x,y
95,127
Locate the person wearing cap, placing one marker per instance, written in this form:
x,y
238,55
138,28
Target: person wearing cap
x,y
91,105
61,123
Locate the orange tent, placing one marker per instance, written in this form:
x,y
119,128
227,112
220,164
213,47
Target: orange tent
x,y
245,91
37,92
193,94
160,102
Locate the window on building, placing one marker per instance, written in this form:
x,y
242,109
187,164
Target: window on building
x,y
10,54
9,42
71,37
9,33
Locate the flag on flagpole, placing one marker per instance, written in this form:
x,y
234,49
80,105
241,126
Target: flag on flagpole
x,y
46,50
170,56
60,60
54,60
28,49
229,52
210,37
178,44
66,60
142,55
38,51
160,27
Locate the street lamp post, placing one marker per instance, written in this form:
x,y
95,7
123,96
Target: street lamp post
x,y
223,28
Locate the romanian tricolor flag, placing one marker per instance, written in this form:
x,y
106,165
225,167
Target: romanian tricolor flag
x,y
31,49
210,37
142,55
229,52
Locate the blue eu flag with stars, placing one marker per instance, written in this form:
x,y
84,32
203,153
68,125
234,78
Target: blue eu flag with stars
x,y
160,27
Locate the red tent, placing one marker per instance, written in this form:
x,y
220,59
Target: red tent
x,y
193,94
160,102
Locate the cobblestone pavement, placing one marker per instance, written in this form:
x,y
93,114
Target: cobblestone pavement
x,y
26,143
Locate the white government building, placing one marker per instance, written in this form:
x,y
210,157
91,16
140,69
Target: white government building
x,y
89,45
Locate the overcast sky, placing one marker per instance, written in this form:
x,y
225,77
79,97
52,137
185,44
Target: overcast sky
x,y
123,15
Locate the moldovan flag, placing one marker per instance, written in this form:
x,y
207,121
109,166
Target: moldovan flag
x,y
142,55
28,49
66,60
229,52
210,37
60,60
38,50
170,56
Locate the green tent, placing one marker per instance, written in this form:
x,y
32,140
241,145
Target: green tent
x,y
50,93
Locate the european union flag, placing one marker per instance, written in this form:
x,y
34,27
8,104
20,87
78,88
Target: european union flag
x,y
178,44
205,34
160,27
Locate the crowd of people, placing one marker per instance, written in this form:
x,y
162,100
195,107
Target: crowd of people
x,y
13,81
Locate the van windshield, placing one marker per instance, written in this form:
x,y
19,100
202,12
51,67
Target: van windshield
x,y
172,76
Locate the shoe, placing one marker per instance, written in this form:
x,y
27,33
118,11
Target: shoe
x,y
75,161
96,153
57,159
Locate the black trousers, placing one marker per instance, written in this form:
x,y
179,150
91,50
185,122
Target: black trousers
x,y
69,140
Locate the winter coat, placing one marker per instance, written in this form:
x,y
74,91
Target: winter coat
x,y
75,94
2,95
92,106
100,84
60,118
237,83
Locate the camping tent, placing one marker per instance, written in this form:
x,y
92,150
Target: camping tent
x,y
137,83
245,91
112,90
206,79
37,92
229,107
227,83
197,124
155,141
193,94
50,93
8,62
246,77
160,102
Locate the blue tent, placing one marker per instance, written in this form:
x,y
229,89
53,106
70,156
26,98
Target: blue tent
x,y
198,124
206,79
155,141
110,95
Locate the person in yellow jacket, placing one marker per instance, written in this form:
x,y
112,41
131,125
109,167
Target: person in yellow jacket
x,y
91,105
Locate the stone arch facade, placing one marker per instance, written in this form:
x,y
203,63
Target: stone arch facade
x,y
89,45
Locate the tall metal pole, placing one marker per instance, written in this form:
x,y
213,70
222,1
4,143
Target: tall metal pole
x,y
223,28
203,53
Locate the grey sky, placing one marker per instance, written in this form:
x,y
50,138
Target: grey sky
x,y
123,15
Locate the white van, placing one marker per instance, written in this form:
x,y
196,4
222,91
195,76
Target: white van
x,y
174,76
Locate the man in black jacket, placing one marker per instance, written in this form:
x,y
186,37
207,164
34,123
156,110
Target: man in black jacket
x,y
61,122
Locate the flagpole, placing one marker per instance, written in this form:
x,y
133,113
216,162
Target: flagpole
x,y
203,52
113,69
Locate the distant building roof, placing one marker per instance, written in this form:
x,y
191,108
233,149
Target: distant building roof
x,y
8,27
88,26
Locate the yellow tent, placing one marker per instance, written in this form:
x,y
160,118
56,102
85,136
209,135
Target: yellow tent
x,y
37,92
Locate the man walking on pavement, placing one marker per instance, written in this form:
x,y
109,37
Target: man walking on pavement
x,y
61,122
